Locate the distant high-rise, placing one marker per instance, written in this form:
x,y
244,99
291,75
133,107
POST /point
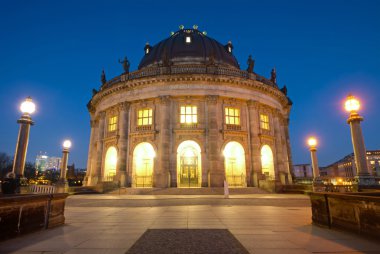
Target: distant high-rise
x,y
44,162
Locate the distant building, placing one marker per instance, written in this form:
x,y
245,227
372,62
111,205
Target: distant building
x,y
44,162
302,170
346,167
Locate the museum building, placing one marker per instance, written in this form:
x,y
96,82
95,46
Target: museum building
x,y
189,117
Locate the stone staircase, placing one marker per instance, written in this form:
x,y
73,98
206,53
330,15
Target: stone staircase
x,y
188,191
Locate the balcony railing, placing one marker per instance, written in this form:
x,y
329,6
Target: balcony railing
x,y
233,127
144,128
189,125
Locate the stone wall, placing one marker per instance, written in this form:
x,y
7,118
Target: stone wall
x,y
20,214
359,212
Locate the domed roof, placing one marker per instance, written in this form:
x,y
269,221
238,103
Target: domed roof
x,y
189,46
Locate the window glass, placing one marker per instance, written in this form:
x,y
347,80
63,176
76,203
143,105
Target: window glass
x,y
264,122
112,123
144,117
232,116
188,114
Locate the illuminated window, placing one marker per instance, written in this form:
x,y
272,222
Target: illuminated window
x,y
110,164
264,122
189,114
144,117
112,123
267,165
229,49
232,116
188,39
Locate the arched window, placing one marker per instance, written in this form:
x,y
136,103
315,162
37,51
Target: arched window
x,y
110,164
267,167
143,165
189,173
234,164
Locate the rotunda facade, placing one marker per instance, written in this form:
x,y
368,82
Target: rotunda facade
x,y
189,117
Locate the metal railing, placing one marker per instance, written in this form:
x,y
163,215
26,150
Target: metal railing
x,y
236,180
109,178
45,189
143,181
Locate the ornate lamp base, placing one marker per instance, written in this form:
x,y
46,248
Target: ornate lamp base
x,y
365,182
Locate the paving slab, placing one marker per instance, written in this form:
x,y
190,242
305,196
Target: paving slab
x,y
262,223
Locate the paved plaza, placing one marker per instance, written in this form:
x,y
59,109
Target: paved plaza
x,y
262,223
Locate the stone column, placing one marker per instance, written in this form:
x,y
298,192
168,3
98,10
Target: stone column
x,y
363,177
99,148
254,141
63,185
122,144
22,145
314,162
160,174
214,156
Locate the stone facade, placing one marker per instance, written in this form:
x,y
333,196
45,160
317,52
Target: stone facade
x,y
164,90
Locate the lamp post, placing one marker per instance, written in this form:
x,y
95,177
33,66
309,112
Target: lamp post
x,y
27,108
363,177
65,156
312,142
317,182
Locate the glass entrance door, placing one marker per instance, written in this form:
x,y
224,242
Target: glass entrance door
x,y
188,176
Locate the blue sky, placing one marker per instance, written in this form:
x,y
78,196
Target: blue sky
x,y
54,51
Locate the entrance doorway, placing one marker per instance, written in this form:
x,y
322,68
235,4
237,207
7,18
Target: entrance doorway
x,y
189,165
143,165
234,164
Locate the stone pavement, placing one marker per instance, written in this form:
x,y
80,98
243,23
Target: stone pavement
x,y
263,223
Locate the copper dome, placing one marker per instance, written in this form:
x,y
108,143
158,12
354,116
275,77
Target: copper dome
x,y
188,46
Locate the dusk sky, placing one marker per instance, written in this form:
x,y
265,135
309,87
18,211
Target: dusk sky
x,y
54,51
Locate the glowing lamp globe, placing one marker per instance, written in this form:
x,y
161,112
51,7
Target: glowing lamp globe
x,y
66,144
28,106
312,142
352,104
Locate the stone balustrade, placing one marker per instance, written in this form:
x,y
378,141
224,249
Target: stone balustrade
x,y
356,212
20,214
188,69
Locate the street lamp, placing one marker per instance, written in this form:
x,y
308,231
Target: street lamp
x,y
65,156
27,108
363,177
312,142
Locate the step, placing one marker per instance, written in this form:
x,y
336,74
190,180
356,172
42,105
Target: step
x,y
188,191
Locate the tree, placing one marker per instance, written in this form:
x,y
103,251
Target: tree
x,y
29,170
5,164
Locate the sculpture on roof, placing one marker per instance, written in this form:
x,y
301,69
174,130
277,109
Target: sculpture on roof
x,y
103,77
284,89
273,76
125,64
251,64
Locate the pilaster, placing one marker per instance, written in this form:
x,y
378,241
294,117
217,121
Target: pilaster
x,y
214,155
123,131
253,113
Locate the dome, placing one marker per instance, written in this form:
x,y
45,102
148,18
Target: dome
x,y
189,46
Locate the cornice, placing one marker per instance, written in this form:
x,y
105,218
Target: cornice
x,y
212,80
